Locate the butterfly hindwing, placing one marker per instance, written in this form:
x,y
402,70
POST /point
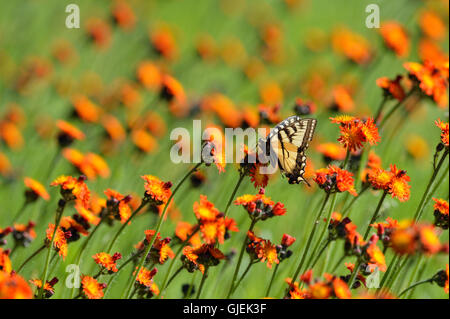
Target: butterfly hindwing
x,y
289,141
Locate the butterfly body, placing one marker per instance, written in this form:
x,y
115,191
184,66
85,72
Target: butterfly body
x,y
286,145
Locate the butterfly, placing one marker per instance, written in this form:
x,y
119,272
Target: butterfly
x,y
286,145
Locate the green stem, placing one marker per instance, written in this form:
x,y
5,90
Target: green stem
x,y
375,215
174,275
202,283
37,252
320,253
59,213
241,254
324,230
191,286
20,212
274,273
346,210
311,236
116,236
241,178
118,270
419,210
354,272
380,109
158,227
395,108
415,285
172,262
250,263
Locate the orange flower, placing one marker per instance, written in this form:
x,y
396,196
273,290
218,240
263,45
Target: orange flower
x,y
431,79
99,31
320,290
86,109
341,289
48,287
429,240
68,133
144,140
351,45
92,288
184,229
149,75
213,231
60,241
394,182
107,261
355,132
432,25
343,100
441,213
395,38
13,286
163,42
5,165
5,262
258,179
157,190
113,127
205,210
331,151
24,234
73,188
35,189
172,90
201,257
375,254
145,277
295,292
160,250
392,88
118,205
268,251
373,163
334,179
446,282
444,132
123,15
11,135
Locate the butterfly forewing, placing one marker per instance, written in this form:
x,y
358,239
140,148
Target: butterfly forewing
x,y
289,141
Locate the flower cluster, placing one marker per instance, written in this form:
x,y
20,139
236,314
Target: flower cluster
x,y
335,180
355,132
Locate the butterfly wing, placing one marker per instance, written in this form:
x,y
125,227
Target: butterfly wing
x,y
289,141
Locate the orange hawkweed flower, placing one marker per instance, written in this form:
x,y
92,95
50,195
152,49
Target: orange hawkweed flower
x,y
268,251
99,31
375,254
342,99
48,287
205,210
5,262
118,205
201,257
395,38
160,250
172,90
123,15
444,132
331,151
394,182
351,45
334,179
257,178
86,109
149,75
373,163
11,135
60,241
441,213
432,25
92,289
145,277
259,206
35,190
68,133
13,286
113,127
184,229
73,189
157,190
144,140
355,132
5,165
107,261
392,88
410,238
24,234
429,240
163,42
431,79
295,292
